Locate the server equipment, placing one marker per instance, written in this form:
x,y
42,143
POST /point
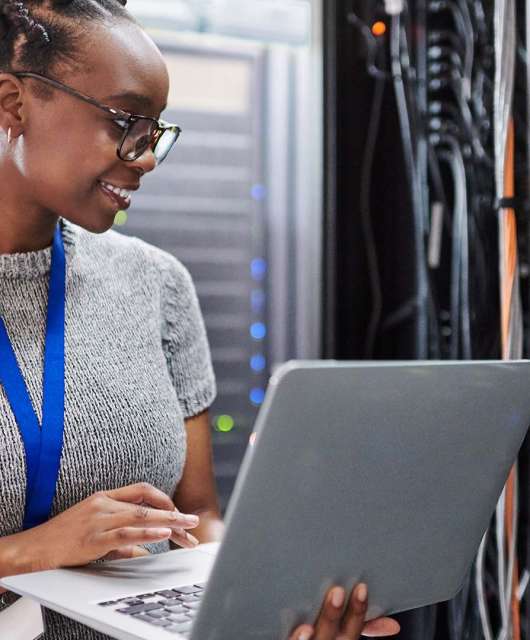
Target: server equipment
x,y
234,203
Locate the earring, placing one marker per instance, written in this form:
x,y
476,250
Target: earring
x,y
9,136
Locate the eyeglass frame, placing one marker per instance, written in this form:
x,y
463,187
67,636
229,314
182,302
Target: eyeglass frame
x,y
129,118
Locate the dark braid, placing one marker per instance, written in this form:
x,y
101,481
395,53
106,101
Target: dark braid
x,y
16,15
44,35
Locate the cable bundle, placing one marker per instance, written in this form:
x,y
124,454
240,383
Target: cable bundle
x,y
453,70
461,175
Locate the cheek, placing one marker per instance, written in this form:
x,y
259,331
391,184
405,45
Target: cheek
x,y
68,158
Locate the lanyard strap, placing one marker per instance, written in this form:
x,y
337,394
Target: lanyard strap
x,y
42,446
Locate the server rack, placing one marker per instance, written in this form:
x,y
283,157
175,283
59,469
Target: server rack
x,y
385,301
235,203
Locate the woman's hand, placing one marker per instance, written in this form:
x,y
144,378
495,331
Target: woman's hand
x,y
336,622
108,524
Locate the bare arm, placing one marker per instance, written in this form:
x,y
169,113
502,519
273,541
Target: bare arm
x,y
14,557
196,492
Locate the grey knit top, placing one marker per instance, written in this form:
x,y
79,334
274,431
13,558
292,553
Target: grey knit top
x,y
137,364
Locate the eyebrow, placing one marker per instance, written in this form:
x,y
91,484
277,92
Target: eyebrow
x,y
142,102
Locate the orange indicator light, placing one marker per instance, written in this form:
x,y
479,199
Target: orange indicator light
x,y
379,29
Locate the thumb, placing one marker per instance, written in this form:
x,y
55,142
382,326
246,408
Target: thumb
x,y
123,553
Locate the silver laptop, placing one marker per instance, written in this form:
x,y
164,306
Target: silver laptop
x,y
382,472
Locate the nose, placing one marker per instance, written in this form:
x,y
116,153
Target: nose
x,y
145,163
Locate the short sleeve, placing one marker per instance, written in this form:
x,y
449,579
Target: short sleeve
x,y
185,342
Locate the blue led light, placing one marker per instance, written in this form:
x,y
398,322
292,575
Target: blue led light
x,y
258,362
258,330
257,396
258,269
258,192
257,300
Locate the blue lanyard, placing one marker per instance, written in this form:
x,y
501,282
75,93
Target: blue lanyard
x,y
43,445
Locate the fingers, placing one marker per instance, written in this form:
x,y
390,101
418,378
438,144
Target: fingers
x,y
184,539
329,619
381,627
139,514
125,553
132,536
333,623
353,621
140,493
143,516
305,632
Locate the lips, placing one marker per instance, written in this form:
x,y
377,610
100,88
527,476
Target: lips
x,y
118,201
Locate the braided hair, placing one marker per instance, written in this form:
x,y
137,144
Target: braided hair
x,y
41,35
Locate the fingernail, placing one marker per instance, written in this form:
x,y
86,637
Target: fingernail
x,y
362,593
337,597
192,539
184,517
305,635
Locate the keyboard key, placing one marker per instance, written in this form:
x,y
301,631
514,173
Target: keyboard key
x,y
190,598
186,590
200,585
158,623
108,604
192,605
178,618
159,613
167,593
144,596
185,626
137,608
131,601
173,602
177,608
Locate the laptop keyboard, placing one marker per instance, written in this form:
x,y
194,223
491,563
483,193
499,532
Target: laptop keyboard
x,y
172,610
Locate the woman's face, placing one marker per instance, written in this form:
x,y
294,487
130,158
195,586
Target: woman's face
x,y
68,146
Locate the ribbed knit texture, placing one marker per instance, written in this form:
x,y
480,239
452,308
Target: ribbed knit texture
x,y
137,364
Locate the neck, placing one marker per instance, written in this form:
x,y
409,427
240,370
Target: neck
x,y
23,234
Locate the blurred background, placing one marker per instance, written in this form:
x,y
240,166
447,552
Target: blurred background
x,y
238,201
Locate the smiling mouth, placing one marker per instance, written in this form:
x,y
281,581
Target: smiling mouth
x,y
119,201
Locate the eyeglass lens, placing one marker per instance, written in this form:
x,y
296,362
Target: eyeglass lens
x,y
140,136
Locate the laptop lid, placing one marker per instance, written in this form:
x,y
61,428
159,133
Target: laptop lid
x,y
382,472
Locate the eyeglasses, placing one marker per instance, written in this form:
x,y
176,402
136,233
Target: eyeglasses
x,y
139,132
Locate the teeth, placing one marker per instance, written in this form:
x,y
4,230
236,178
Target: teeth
x,y
123,193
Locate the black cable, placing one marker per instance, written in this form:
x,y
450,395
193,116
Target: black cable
x,y
415,192
365,197
437,182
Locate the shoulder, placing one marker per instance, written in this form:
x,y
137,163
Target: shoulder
x,y
129,254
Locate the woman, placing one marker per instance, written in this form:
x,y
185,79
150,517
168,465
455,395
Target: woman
x,y
101,337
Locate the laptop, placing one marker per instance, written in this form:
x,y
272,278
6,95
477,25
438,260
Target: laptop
x,y
386,473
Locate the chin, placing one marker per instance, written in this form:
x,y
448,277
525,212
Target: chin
x,y
95,223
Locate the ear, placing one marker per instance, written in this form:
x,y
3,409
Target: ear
x,y
12,93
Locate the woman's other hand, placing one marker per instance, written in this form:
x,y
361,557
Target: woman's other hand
x,y
339,622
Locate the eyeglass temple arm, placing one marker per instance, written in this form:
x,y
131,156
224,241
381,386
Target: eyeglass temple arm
x,y
72,92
